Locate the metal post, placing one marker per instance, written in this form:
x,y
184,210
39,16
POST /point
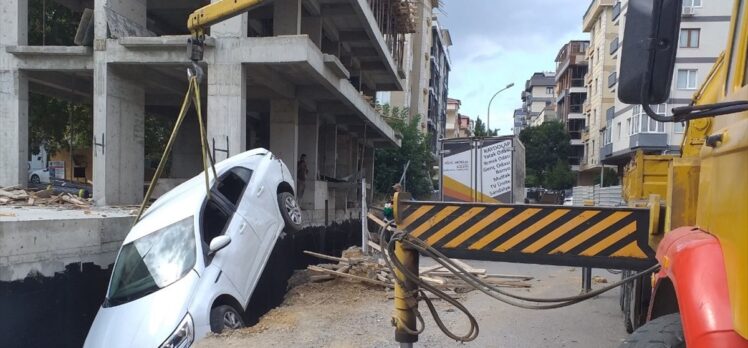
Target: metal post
x,y
364,225
405,301
586,279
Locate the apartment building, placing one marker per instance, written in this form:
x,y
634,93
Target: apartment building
x,y
438,88
457,126
452,128
520,121
599,22
571,68
294,76
539,93
703,34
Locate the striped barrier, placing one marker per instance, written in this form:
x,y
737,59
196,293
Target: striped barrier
x,y
596,237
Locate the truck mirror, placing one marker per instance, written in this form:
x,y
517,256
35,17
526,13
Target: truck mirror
x,y
650,42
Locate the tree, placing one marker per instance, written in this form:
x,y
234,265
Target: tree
x,y
389,162
610,178
481,131
58,124
547,149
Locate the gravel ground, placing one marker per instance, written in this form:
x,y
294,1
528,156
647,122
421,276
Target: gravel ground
x,y
343,314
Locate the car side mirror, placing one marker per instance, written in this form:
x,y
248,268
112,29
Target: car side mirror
x,y
650,42
218,243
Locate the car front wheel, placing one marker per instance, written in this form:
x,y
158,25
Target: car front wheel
x,y
225,317
35,179
290,210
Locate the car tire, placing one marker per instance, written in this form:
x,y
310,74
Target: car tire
x,y
290,211
663,332
35,179
225,317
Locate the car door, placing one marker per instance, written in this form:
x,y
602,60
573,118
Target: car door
x,y
259,206
237,261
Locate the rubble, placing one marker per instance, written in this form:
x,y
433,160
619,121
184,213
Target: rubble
x,y
14,195
354,266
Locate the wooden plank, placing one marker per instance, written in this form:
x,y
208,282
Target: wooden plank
x,y
350,276
328,257
439,281
429,269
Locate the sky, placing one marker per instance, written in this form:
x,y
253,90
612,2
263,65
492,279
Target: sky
x,y
497,42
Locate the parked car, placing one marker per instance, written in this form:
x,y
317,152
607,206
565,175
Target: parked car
x,y
39,176
190,265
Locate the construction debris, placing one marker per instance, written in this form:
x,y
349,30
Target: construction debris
x,y
354,266
46,197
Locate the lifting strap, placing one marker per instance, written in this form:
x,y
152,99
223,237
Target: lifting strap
x,y
195,75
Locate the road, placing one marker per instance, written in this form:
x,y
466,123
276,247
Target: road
x,y
341,314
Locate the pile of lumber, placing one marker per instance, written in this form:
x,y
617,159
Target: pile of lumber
x,y
357,267
20,197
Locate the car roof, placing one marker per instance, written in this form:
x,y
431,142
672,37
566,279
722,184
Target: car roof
x,y
185,200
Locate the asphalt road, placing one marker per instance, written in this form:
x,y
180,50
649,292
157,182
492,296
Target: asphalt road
x,y
597,322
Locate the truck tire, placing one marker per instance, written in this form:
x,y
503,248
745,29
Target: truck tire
x,y
290,211
663,332
225,317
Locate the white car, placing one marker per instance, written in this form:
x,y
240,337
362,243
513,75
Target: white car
x,y
39,176
190,265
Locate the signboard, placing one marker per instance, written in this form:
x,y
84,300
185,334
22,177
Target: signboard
x,y
478,170
56,169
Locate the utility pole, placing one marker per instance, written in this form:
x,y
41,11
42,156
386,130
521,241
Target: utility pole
x,y
488,113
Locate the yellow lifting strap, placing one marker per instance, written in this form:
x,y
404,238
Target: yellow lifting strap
x,y
194,74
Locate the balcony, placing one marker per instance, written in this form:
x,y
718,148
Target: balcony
x,y
614,45
606,151
648,141
575,108
612,79
577,82
616,10
593,13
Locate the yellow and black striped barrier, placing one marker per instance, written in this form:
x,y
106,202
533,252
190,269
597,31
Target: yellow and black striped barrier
x,y
596,237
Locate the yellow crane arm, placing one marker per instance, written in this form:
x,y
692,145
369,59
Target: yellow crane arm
x,y
208,15
217,12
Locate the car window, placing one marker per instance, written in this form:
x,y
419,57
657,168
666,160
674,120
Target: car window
x,y
232,184
214,220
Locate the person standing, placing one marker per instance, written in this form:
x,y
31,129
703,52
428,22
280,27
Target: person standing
x,y
301,173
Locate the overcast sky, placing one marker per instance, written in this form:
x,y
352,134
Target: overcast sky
x,y
496,42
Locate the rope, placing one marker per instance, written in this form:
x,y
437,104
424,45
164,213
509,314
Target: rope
x,y
478,284
193,95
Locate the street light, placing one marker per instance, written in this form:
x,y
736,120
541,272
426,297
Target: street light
x,y
488,113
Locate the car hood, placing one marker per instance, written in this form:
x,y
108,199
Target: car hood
x,y
145,322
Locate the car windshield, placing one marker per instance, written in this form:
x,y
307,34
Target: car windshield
x,y
152,262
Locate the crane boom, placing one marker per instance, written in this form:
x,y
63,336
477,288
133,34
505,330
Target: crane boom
x,y
208,15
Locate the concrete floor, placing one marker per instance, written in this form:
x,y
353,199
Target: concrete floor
x,y
594,323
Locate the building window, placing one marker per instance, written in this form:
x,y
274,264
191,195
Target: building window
x,y
642,123
689,38
606,137
618,131
691,3
687,79
549,90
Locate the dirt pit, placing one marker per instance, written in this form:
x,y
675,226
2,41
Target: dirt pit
x,y
337,313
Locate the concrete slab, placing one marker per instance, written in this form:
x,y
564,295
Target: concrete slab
x,y
43,240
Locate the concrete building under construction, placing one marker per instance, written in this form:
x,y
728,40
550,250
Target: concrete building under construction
x,y
294,76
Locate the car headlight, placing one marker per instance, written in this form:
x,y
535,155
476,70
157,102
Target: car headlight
x,y
183,335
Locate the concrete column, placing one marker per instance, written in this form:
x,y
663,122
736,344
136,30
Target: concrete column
x,y
119,111
345,155
186,160
308,145
14,26
14,128
312,26
287,17
284,132
227,108
14,91
232,27
369,171
329,149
